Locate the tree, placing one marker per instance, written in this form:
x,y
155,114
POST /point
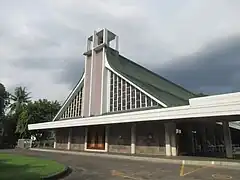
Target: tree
x,y
9,135
36,112
19,99
3,96
7,123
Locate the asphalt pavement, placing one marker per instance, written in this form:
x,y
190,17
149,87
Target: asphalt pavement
x,y
97,168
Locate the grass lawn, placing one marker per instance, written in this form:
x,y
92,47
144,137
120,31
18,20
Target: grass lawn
x,y
19,167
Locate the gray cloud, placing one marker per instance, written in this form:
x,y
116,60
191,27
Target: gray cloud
x,y
71,73
41,43
38,63
214,69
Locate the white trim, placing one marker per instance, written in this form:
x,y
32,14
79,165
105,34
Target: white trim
x,y
130,88
122,81
69,98
125,94
135,90
220,99
82,103
134,85
95,150
117,92
90,84
113,90
146,101
103,80
83,95
108,90
140,99
171,113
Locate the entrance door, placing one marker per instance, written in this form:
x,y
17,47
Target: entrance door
x,y
96,137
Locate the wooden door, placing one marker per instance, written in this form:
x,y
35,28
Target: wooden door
x,y
96,137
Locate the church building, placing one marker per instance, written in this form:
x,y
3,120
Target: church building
x,y
119,106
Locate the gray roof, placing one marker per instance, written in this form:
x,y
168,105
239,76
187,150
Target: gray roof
x,y
164,90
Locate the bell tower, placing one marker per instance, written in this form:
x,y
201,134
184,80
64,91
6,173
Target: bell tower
x,y
95,71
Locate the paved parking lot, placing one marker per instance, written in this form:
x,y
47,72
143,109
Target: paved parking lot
x,y
97,168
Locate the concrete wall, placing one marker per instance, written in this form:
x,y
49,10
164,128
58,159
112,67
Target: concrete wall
x,y
120,138
150,138
61,138
78,139
96,83
87,83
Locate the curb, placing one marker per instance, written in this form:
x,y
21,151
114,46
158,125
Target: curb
x,y
222,164
58,175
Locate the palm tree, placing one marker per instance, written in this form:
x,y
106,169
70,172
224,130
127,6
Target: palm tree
x,y
19,99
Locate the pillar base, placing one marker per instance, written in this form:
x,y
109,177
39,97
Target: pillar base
x,y
167,139
133,139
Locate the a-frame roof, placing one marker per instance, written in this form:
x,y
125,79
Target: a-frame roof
x,y
70,96
168,92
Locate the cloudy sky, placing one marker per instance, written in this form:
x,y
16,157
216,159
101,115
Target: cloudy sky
x,y
195,43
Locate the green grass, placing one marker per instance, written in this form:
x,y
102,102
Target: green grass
x,y
19,167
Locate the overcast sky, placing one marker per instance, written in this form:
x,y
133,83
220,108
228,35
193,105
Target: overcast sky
x,y
195,43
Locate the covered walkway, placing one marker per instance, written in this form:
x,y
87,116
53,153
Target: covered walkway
x,y
221,109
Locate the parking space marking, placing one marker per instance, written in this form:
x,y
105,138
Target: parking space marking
x,y
182,168
190,172
195,170
120,174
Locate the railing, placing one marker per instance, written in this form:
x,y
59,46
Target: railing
x,y
219,149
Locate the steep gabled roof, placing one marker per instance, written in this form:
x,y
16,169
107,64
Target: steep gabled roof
x,y
166,91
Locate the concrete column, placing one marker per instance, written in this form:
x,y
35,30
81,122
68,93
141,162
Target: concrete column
x,y
106,137
133,139
204,139
85,139
69,138
173,139
55,140
167,140
227,139
105,36
117,43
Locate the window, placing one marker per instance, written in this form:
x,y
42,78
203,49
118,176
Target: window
x,y
138,98
75,107
148,101
154,103
124,96
143,98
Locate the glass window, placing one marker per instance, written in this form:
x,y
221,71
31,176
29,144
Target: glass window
x,y
148,101
155,103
